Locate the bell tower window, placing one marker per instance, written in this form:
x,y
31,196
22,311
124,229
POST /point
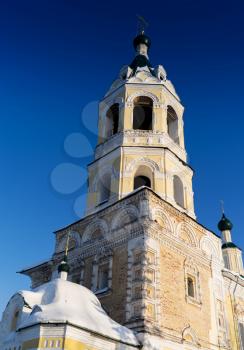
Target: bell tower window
x,y
143,177
140,181
104,188
112,120
178,191
172,124
142,113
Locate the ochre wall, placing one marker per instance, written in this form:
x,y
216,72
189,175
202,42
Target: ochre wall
x,y
176,312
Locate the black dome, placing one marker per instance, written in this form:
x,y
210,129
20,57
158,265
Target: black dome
x,y
63,267
140,61
142,39
229,245
225,224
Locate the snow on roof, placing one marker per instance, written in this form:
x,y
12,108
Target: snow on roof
x,y
61,301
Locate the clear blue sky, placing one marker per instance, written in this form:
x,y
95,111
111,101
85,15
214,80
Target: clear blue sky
x,y
59,56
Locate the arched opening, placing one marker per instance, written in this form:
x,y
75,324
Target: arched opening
x,y
190,287
103,276
172,124
178,191
105,188
140,181
142,113
97,234
143,177
112,120
72,244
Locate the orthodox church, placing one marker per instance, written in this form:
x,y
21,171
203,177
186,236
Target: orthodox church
x,y
138,271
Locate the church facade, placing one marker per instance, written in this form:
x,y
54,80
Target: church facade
x,y
155,269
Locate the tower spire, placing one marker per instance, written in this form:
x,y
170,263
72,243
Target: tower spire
x,y
225,226
222,203
231,253
141,24
63,268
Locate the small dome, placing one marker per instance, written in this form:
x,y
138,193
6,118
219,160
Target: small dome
x,y
225,224
140,61
63,267
228,245
142,39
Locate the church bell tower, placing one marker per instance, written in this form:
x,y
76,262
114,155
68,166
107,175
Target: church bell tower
x,y
141,138
139,248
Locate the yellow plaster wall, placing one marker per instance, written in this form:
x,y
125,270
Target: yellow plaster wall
x,y
229,304
115,303
66,344
96,175
31,344
175,310
72,344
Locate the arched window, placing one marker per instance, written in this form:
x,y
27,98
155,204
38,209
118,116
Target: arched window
x,y
172,124
112,120
105,188
140,181
97,234
178,191
143,177
190,287
103,276
142,113
72,244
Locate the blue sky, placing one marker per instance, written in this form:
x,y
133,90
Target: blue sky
x,y
57,60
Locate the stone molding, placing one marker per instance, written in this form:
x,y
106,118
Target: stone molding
x,y
143,92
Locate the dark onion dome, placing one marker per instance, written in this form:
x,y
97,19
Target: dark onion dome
x,y
64,266
225,224
140,61
142,39
229,245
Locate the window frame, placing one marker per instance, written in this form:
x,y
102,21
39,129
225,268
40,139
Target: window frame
x,y
144,103
192,272
97,264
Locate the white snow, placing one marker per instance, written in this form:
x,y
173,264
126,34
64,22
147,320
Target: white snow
x,y
61,301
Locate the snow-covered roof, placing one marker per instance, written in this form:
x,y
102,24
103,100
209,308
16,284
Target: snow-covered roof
x,y
61,301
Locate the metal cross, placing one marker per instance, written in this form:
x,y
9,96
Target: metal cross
x,y
222,206
142,24
67,244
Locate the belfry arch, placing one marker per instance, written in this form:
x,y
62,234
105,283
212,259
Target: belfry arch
x,y
112,121
172,124
142,113
143,177
178,190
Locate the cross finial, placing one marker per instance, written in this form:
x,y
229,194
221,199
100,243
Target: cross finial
x,y
142,24
222,206
67,244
